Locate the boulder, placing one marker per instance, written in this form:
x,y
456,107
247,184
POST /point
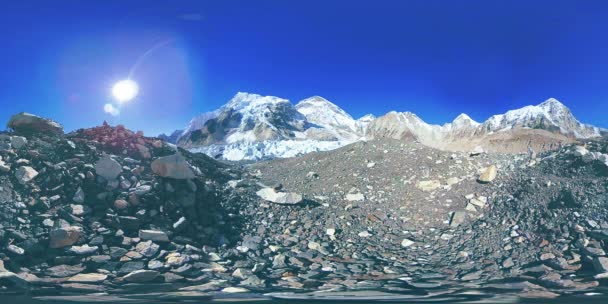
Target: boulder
x,y
63,237
141,276
108,168
153,235
457,218
174,166
428,185
355,197
24,174
488,175
27,123
283,198
18,142
88,278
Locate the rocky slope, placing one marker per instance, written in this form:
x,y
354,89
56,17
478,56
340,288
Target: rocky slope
x,y
113,213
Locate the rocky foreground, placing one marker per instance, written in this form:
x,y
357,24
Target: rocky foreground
x,y
107,210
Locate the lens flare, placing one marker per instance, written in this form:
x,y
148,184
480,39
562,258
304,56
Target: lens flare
x,y
125,90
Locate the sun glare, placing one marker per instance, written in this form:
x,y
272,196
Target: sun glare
x,y
125,90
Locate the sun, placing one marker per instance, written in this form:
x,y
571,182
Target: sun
x,y
125,90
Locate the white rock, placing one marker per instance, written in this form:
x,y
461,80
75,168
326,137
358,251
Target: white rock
x,y
283,198
18,142
355,197
25,174
406,243
364,234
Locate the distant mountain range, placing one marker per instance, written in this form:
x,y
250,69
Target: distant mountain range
x,y
251,127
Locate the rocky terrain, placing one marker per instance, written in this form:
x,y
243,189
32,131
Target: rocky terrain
x,y
110,212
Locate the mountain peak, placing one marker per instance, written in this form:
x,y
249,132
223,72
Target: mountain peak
x,y
464,118
552,104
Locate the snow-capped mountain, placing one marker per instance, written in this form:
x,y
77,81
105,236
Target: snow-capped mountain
x,y
252,126
173,137
550,115
248,118
329,118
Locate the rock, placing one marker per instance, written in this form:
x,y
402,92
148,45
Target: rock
x,y
508,263
63,237
330,231
458,217
18,142
15,250
141,276
234,290
9,279
26,123
147,249
406,243
174,166
121,204
355,197
24,174
4,167
79,196
364,234
428,185
283,198
580,151
88,278
600,264
488,175
153,235
62,271
83,250
108,168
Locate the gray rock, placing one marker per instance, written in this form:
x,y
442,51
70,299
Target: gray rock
x,y
458,217
600,264
147,249
174,166
79,196
108,168
153,235
30,124
18,142
13,279
141,276
88,278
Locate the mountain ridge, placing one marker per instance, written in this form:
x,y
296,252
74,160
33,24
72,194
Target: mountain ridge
x,y
254,122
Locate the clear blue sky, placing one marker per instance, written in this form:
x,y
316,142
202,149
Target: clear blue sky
x,y
436,58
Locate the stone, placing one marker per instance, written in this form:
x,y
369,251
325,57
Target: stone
x,y
88,278
83,250
355,197
428,185
62,271
406,243
508,263
63,237
141,276
24,174
580,151
488,175
600,264
282,198
13,279
108,168
153,235
121,204
458,217
147,249
15,250
364,234
27,123
330,231
18,142
79,196
4,167
174,166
